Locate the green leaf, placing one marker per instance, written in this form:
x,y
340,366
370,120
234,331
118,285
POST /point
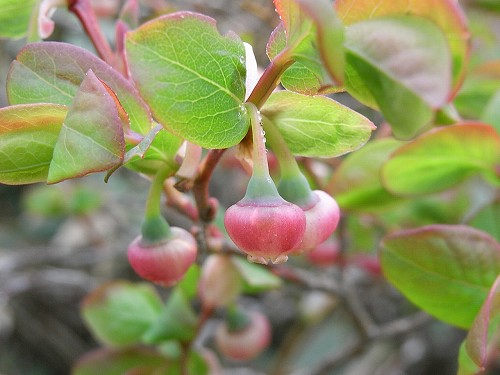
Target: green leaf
x,y
120,312
316,126
479,96
446,270
91,138
356,183
119,362
475,95
441,158
192,77
51,72
189,283
489,4
311,34
197,364
177,321
487,220
159,147
139,150
28,134
491,113
483,340
15,17
256,278
402,64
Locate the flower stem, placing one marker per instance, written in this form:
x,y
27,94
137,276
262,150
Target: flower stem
x,y
260,166
287,162
293,185
261,184
270,78
155,227
83,10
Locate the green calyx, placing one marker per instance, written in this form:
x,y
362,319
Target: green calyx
x,y
154,230
236,319
261,188
261,185
295,188
293,185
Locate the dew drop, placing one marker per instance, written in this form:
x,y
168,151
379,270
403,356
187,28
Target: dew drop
x,y
263,132
260,116
242,60
264,139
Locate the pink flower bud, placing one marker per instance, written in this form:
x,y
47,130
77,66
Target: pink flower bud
x,y
325,254
166,262
246,343
322,218
367,262
266,229
220,281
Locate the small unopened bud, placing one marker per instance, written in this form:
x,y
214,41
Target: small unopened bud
x,y
220,281
245,343
325,254
163,263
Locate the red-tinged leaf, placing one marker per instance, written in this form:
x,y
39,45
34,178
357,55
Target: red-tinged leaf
x,y
466,365
330,36
312,37
51,72
120,312
306,76
296,23
28,134
447,14
400,65
443,157
118,362
91,138
446,270
483,339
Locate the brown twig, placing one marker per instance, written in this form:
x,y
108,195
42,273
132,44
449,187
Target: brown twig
x,y
206,209
316,281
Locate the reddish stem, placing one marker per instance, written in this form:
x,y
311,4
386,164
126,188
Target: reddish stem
x,y
85,13
270,78
200,188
